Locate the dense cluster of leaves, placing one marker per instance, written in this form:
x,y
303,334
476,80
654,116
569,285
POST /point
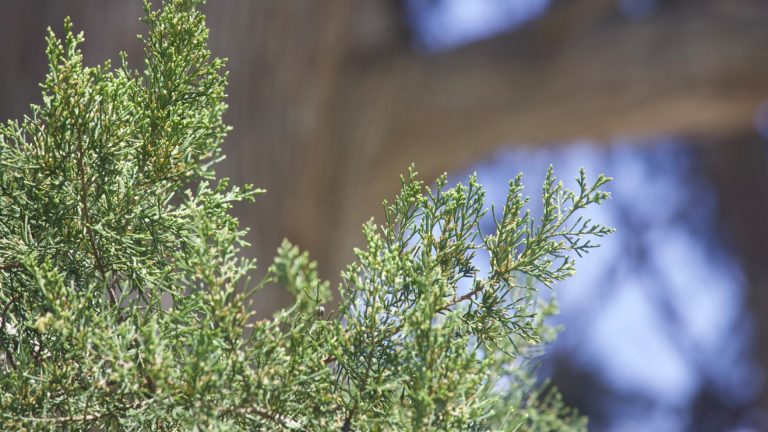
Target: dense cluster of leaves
x,y
124,299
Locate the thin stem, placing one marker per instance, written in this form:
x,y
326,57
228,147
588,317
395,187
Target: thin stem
x,y
7,306
79,418
87,217
456,300
266,415
82,417
10,266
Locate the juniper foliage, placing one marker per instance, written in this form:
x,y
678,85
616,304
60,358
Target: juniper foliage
x,y
125,300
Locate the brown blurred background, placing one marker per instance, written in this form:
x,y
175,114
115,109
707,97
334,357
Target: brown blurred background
x,y
331,100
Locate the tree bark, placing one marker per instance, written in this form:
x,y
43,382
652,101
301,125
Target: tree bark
x,y
737,166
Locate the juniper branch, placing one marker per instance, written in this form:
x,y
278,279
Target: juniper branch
x,y
109,184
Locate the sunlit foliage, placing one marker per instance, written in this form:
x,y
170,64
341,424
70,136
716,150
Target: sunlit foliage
x,y
125,302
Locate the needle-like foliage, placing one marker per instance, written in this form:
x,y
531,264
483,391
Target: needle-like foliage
x,y
125,300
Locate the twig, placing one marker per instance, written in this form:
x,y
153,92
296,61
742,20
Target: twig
x,y
348,420
79,418
7,306
82,417
267,415
86,215
456,300
5,311
10,266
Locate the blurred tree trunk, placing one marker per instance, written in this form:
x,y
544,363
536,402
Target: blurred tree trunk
x,y
737,167
330,103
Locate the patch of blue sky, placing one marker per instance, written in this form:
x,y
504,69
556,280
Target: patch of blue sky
x,y
446,24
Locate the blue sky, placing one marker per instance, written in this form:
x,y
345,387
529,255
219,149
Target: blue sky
x,y
447,24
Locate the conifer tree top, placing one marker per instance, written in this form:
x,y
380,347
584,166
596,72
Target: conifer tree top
x,y
125,303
